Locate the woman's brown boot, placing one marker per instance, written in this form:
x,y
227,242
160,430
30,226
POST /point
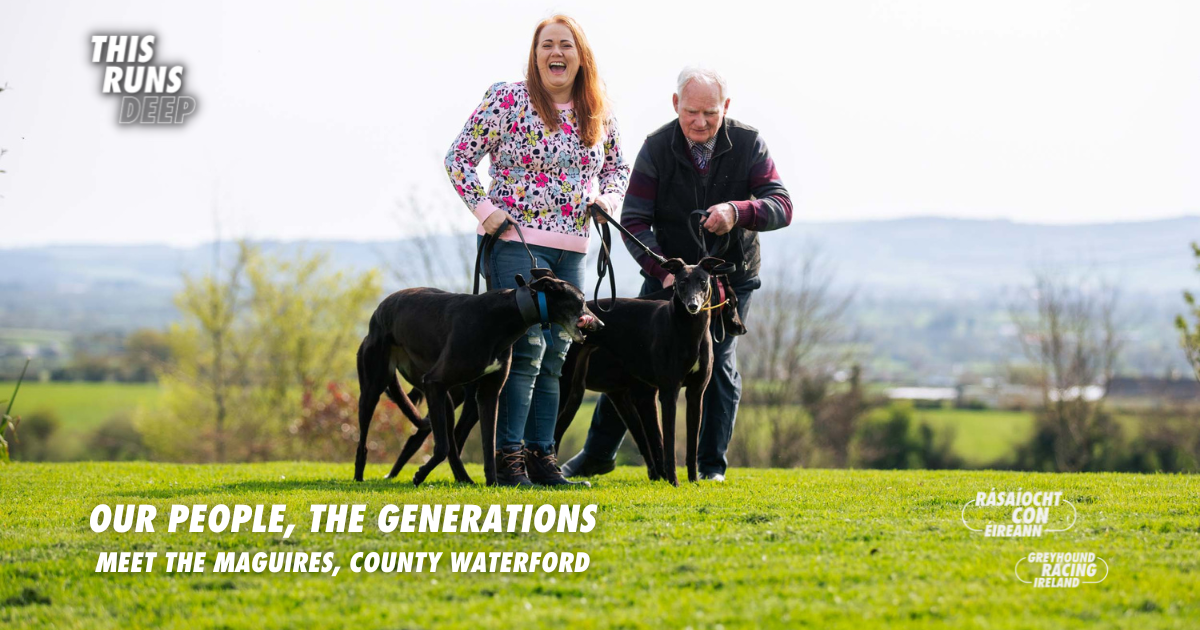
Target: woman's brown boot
x,y
544,471
510,467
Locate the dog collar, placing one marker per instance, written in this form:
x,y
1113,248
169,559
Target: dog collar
x,y
544,317
530,313
534,310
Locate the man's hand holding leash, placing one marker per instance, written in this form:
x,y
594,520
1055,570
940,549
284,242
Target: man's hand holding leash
x,y
721,218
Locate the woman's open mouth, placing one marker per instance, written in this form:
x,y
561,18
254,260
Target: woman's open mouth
x,y
558,68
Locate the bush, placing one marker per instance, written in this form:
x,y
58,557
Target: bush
x,y
117,440
777,436
893,443
327,429
35,442
1168,441
1096,443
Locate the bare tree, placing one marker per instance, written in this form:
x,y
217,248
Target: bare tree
x,y
1190,333
1071,333
435,252
795,344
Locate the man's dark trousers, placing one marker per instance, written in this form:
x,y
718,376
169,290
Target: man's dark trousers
x,y
720,399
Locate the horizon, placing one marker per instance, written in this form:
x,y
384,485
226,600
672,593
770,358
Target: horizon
x,y
392,239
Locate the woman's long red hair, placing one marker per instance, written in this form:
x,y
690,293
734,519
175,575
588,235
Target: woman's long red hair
x,y
591,109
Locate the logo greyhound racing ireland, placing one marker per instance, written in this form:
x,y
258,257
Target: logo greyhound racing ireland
x,y
1018,514
1061,570
150,94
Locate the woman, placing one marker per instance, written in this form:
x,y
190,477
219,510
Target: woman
x,y
550,138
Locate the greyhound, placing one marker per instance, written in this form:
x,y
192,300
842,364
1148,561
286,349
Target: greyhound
x,y
442,340
730,322
651,347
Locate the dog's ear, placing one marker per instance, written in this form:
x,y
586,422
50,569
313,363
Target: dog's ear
x,y
673,265
538,272
546,284
520,280
717,267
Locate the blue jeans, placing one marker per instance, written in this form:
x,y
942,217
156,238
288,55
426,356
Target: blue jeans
x,y
528,405
721,399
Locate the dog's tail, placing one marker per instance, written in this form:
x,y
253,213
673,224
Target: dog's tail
x,y
406,406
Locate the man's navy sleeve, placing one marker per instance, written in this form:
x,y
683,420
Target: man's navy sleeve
x,y
637,215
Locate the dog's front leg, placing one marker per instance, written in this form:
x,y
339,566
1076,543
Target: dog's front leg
x,y
695,411
646,401
668,399
696,383
622,401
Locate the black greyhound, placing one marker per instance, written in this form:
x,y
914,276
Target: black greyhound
x,y
442,340
651,347
730,322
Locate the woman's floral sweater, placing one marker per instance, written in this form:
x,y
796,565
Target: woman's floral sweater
x,y
544,181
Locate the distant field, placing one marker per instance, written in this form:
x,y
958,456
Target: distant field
x,y
980,437
81,407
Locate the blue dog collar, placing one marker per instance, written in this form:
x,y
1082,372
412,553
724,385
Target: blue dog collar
x,y
544,313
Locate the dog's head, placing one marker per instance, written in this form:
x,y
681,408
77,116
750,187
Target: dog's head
x,y
692,282
567,306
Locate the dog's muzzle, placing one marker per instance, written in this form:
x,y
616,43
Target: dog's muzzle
x,y
589,323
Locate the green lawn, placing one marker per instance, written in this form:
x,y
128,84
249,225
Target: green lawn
x,y
769,548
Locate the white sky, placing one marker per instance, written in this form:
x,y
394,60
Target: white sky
x,y
315,118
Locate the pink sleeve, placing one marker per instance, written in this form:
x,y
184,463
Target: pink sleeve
x,y
479,137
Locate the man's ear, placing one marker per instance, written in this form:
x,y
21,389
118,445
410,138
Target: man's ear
x,y
673,265
675,103
727,105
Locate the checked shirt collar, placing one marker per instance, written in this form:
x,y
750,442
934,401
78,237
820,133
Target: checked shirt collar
x,y
702,153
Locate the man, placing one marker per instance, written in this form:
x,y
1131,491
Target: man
x,y
700,161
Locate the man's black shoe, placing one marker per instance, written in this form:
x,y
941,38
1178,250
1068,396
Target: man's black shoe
x,y
544,470
583,466
510,467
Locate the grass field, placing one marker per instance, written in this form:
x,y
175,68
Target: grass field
x,y
767,549
980,436
81,406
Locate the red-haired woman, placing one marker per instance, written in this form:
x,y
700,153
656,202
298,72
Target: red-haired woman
x,y
554,149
